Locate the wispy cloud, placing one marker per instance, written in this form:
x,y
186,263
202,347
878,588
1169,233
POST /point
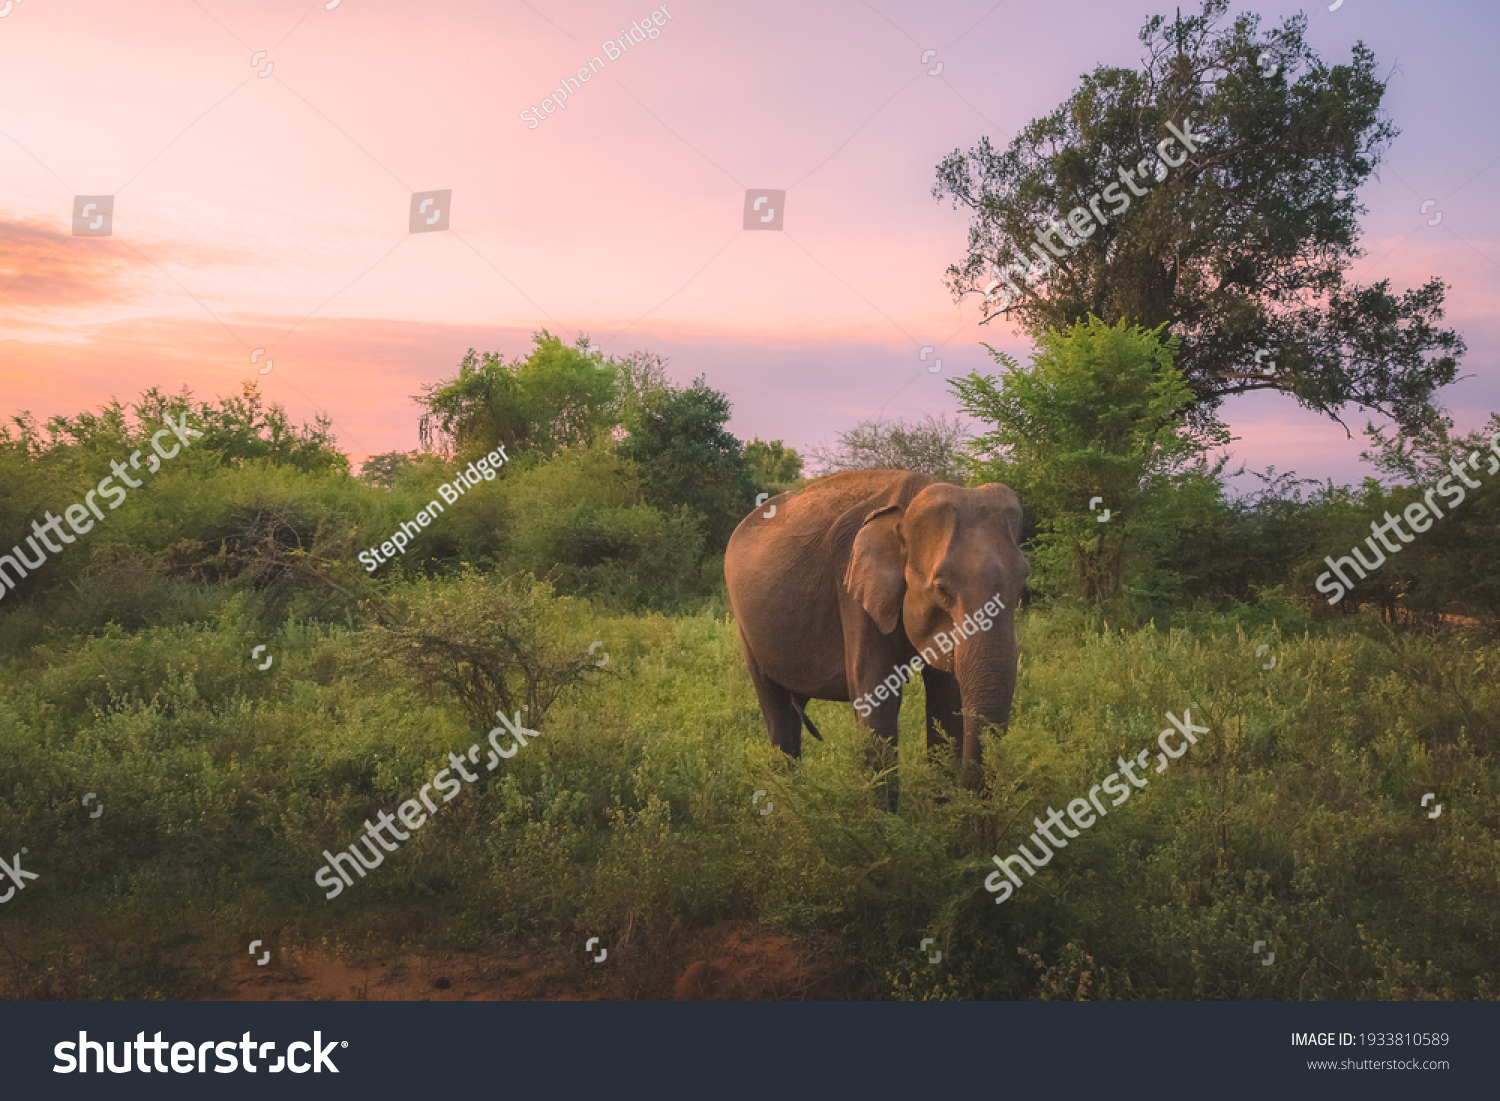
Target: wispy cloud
x,y
42,266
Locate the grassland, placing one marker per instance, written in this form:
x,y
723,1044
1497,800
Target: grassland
x,y
1297,820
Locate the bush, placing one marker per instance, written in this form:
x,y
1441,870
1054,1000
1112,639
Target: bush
x,y
492,646
581,521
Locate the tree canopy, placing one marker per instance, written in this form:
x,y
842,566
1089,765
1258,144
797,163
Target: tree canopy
x,y
773,464
555,397
1241,249
382,470
1094,438
687,457
236,430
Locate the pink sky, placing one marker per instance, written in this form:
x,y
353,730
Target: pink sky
x,y
271,212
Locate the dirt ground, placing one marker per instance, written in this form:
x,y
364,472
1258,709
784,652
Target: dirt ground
x,y
727,962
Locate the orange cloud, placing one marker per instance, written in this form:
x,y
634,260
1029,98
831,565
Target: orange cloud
x,y
41,266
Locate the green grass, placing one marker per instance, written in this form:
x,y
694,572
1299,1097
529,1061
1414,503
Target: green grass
x,y
1296,820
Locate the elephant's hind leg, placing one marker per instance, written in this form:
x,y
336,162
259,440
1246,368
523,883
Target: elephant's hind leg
x,y
783,720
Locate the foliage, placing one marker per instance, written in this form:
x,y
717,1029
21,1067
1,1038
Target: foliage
x,y
1282,536
1242,249
236,430
1099,414
632,820
931,446
583,522
687,457
241,431
126,670
237,506
1444,570
1235,548
1427,453
556,397
493,646
639,376
382,470
773,465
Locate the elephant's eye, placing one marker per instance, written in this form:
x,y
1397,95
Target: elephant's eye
x,y
943,593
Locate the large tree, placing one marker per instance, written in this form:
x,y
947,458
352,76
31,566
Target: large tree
x,y
1241,249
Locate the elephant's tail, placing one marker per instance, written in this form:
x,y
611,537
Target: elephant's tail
x,y
806,721
810,728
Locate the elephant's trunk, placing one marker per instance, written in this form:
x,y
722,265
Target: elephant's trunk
x,y
985,666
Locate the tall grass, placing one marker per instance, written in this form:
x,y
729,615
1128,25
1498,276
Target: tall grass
x,y
1296,820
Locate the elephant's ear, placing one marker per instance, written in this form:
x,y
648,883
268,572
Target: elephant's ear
x,y
877,567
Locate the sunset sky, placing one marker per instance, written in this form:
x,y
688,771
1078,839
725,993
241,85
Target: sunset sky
x,y
272,211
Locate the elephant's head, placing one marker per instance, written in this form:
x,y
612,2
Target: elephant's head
x,y
937,563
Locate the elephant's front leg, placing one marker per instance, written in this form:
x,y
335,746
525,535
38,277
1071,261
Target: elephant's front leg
x,y
877,703
945,718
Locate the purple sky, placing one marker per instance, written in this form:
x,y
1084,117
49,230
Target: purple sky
x,y
272,212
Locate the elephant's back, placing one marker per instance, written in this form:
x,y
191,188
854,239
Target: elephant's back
x,y
803,547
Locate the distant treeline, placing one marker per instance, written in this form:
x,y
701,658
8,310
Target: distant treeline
x,y
621,487
624,488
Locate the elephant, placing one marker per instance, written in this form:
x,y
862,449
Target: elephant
x,y
839,585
